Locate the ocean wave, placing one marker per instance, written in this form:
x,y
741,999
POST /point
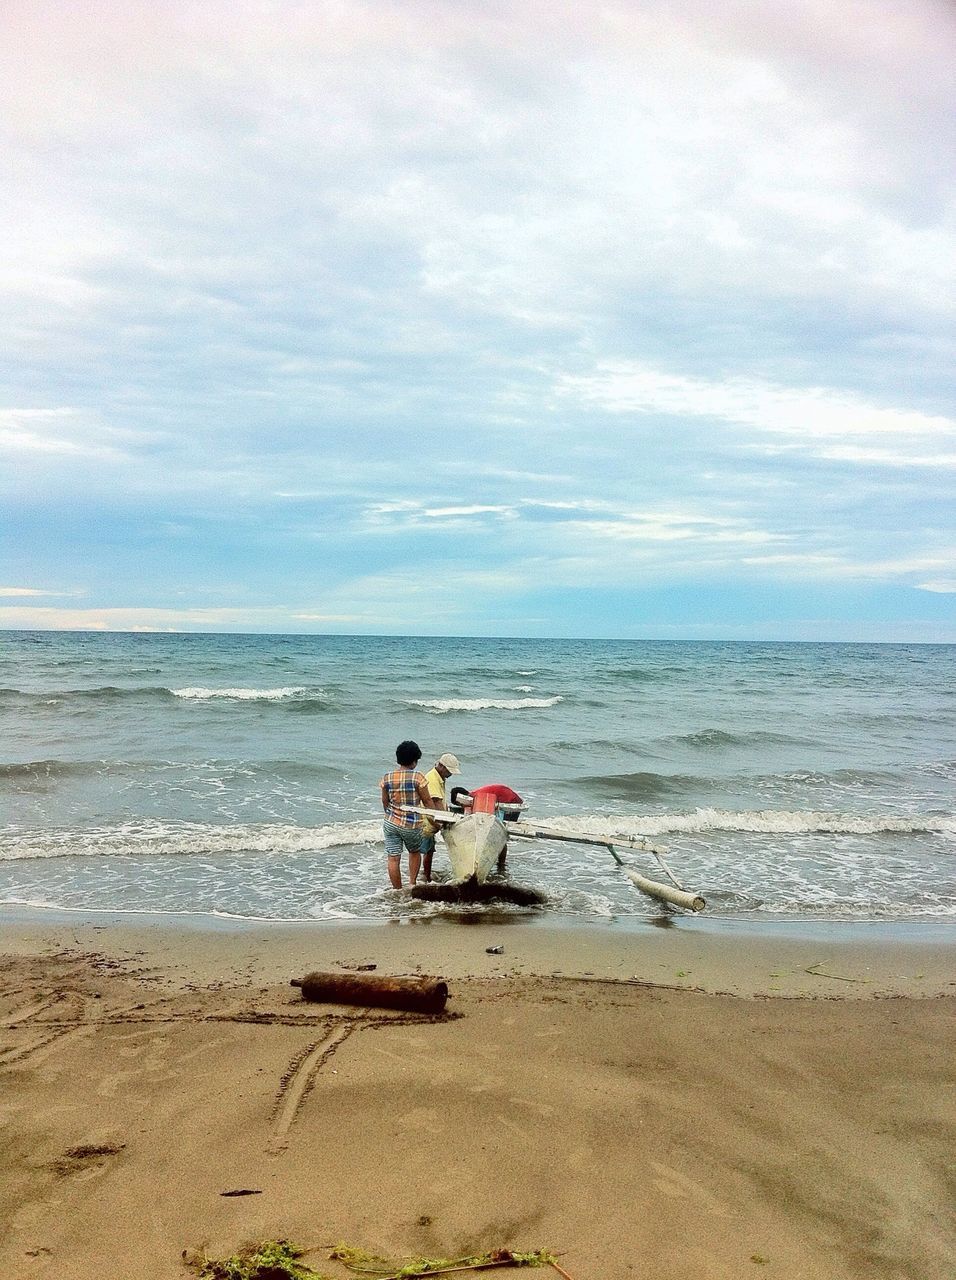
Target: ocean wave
x,y
840,777
28,769
896,719
99,693
438,706
299,694
213,913
764,821
502,670
646,785
637,786
861,909
304,706
43,771
708,738
938,768
242,695
182,839
634,675
166,839
584,746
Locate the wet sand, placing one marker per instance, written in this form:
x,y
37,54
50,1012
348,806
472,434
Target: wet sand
x,y
667,1102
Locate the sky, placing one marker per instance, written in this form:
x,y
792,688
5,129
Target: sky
x,y
447,317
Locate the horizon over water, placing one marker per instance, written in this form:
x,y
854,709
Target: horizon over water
x,y
237,774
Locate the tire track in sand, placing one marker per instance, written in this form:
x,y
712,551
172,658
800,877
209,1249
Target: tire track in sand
x,y
300,1077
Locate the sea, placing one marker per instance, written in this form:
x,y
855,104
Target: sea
x,y
236,776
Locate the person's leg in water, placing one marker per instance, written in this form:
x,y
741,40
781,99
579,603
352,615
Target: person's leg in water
x,y
397,838
427,851
393,852
412,841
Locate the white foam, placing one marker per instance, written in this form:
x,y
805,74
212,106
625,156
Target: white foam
x,y
172,839
767,822
440,705
244,695
183,839
212,913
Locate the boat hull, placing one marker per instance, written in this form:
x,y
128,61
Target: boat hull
x,y
474,844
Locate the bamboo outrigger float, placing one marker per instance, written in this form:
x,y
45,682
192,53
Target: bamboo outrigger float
x,y
475,841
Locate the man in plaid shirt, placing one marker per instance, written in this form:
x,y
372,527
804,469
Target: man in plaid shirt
x,y
401,786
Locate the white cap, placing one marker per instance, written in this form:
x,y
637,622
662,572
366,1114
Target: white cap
x,y
450,762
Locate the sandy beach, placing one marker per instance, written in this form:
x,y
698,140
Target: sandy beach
x,y
672,1102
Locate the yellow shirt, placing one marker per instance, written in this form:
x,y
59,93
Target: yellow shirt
x,y
435,785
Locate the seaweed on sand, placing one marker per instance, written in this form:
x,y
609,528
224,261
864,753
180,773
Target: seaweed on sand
x,y
279,1260
369,1265
268,1260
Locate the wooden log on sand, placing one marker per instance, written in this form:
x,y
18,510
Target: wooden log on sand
x,y
419,995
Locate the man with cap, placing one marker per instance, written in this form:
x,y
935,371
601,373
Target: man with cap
x,y
445,766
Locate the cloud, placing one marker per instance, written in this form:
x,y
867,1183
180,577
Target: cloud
x,y
138,618
412,514
444,513
335,619
518,168
809,413
667,527
826,566
604,294
40,431
887,457
35,591
70,433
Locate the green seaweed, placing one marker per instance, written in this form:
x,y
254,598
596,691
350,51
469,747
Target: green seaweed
x,y
370,1264
360,1260
269,1260
279,1260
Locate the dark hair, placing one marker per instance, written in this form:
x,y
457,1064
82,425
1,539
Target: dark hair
x,y
408,753
457,793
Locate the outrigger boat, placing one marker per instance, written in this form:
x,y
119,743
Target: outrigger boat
x,y
476,839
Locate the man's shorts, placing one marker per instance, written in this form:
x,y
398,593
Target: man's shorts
x,y
427,844
397,838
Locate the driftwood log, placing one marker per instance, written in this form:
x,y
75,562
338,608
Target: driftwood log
x,y
419,995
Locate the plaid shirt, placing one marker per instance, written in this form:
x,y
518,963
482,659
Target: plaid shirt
x,y
401,787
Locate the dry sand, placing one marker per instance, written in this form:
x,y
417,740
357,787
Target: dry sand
x,y
636,1129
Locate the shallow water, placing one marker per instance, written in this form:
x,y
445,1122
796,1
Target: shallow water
x,y
238,774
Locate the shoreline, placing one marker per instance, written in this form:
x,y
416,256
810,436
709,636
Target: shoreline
x,y
809,959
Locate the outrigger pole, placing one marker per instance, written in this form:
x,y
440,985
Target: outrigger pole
x,y
677,896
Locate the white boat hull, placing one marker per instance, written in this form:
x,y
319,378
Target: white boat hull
x,y
474,843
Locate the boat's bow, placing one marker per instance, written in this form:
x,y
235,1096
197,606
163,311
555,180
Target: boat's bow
x,y
474,843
